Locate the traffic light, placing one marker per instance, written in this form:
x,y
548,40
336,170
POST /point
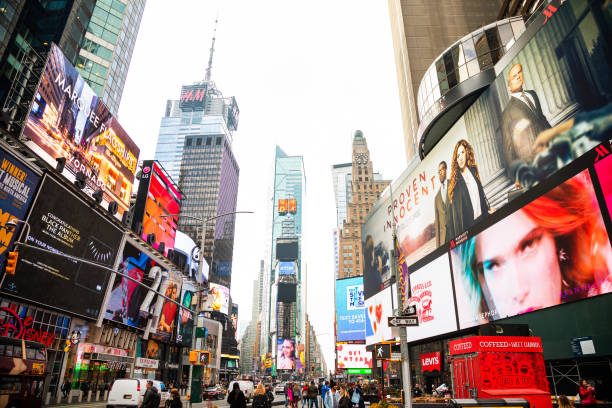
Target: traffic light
x,y
312,368
11,262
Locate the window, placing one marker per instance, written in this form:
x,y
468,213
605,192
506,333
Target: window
x,y
188,142
208,141
218,143
199,141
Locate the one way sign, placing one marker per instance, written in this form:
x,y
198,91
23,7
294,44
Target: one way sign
x,y
403,321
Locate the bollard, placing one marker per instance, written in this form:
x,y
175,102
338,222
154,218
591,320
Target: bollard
x,y
98,395
105,394
89,396
80,396
48,398
59,398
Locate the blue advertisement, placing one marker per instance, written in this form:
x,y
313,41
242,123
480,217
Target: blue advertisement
x,y
17,187
350,309
286,268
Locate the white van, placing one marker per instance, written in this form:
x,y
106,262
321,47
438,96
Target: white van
x,y
245,386
130,393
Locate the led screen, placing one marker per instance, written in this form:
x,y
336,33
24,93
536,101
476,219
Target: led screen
x,y
184,324
378,308
61,223
287,292
287,250
286,268
432,294
350,309
604,174
166,323
353,356
17,188
285,359
234,319
217,299
157,198
541,113
68,120
554,250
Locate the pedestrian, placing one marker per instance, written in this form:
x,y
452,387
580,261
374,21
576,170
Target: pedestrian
x,y
564,402
288,393
66,387
357,397
328,399
236,398
345,399
176,399
324,390
416,390
305,395
296,395
587,393
260,400
313,394
269,396
151,397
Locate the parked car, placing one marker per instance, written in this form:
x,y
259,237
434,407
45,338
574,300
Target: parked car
x,y
130,392
214,392
279,389
245,386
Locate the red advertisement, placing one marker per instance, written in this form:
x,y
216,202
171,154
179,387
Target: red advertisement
x,y
604,174
282,206
292,205
431,361
503,371
496,343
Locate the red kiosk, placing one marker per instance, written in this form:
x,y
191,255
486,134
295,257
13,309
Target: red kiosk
x,y
500,367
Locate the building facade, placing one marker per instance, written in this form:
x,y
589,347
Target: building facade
x,y
366,187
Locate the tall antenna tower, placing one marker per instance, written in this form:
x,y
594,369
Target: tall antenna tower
x,y
212,51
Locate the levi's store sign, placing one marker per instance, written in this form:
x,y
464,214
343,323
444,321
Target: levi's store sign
x,y
496,344
431,361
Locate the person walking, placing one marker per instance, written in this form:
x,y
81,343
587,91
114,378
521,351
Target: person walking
x,y
305,395
236,398
345,399
66,387
260,399
328,399
587,393
151,397
288,394
296,395
358,400
324,391
176,402
564,402
269,396
313,394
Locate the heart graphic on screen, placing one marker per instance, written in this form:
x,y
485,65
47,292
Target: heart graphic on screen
x,y
378,312
339,347
370,309
374,324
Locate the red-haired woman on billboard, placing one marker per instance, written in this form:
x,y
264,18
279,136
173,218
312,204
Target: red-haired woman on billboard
x,y
467,198
553,250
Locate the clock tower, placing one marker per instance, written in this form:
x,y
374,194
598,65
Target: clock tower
x,y
366,187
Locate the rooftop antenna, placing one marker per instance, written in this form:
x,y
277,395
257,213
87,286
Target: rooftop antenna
x,y
212,51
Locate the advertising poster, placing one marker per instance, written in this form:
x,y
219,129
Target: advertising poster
x,y
17,188
70,121
234,318
604,174
60,222
184,325
350,309
541,112
286,359
353,356
129,302
169,311
286,268
432,294
217,299
555,250
157,197
189,254
378,309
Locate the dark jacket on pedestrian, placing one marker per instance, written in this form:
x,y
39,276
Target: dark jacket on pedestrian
x,y
260,401
151,398
361,400
313,391
176,401
269,397
345,402
236,399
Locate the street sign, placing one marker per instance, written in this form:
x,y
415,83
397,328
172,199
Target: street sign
x,y
396,356
403,321
410,311
383,351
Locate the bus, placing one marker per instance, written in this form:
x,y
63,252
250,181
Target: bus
x,y
22,373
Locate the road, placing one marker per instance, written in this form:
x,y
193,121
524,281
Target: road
x,y
278,400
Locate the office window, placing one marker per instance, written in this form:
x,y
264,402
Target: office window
x,y
218,141
208,141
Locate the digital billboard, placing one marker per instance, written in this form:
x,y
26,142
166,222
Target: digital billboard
x,y
287,250
378,308
604,174
350,309
61,223
554,250
525,127
189,255
184,324
432,295
68,120
129,302
285,355
17,188
217,299
353,356
234,318
233,115
286,268
157,198
193,96
166,323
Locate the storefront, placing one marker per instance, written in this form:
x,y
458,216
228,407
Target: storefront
x,y
97,366
146,368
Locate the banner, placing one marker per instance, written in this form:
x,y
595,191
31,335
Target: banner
x,y
168,316
353,356
217,299
378,308
63,224
17,188
350,309
285,351
68,120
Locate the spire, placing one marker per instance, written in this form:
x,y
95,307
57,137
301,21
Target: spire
x,y
212,51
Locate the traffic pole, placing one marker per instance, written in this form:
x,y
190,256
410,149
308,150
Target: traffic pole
x,y
405,363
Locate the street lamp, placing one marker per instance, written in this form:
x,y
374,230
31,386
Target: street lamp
x,y
200,273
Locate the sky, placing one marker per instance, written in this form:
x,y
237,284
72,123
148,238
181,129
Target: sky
x,y
306,75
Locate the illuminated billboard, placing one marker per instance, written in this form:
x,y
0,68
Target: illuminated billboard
x,y
554,250
157,198
286,268
217,299
353,356
184,324
62,223
166,323
350,309
524,128
285,355
193,96
282,206
69,121
378,308
233,114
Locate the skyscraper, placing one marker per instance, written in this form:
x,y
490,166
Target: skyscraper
x,y
421,30
366,187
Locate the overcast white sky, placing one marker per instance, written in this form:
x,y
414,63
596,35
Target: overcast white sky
x,y
306,75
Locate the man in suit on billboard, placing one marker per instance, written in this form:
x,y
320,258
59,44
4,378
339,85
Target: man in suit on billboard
x,y
522,119
441,205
